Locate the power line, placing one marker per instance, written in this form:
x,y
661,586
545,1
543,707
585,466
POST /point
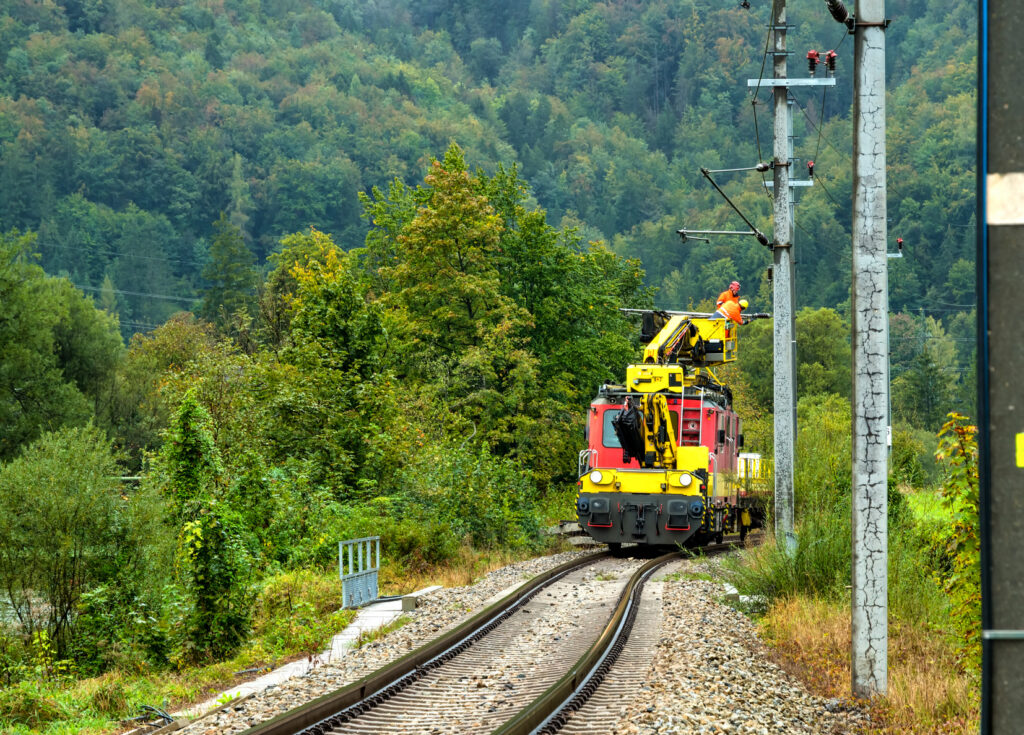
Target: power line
x,y
124,255
827,192
757,90
821,119
140,293
821,114
818,128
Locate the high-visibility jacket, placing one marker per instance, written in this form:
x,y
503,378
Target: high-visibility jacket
x,y
730,310
727,295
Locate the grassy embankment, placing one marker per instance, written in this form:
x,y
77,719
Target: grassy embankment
x,y
297,614
933,683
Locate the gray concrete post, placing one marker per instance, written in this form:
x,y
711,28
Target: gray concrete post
x,y
1001,353
869,645
782,307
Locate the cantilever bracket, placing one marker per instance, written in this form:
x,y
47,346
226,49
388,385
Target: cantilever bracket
x,y
883,24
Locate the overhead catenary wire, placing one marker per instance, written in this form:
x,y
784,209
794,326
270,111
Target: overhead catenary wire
x,y
124,255
757,90
141,293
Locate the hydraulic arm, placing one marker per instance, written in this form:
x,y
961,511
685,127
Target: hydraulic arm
x,y
646,433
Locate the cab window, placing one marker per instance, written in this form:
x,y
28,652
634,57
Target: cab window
x,y
611,440
608,437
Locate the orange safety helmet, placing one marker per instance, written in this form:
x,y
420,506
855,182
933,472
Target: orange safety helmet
x,y
732,310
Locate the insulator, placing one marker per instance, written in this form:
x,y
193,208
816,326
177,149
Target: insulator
x,y
839,12
810,169
830,61
813,57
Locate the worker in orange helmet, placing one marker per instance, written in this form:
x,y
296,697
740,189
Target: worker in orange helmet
x,y
730,294
732,310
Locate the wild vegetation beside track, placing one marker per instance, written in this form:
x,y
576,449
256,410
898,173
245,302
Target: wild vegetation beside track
x,y
934,598
425,390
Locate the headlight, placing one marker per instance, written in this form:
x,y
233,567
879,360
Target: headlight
x,y
596,477
685,479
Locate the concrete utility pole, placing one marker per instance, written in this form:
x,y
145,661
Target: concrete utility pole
x,y
1001,361
783,295
870,608
783,280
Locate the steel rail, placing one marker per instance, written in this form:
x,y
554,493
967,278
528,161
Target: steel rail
x,y
548,713
324,713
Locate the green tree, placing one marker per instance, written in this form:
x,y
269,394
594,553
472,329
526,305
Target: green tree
x,y
231,276
66,528
213,561
822,353
921,395
59,351
325,403
446,277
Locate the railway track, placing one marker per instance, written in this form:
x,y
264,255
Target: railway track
x,y
524,664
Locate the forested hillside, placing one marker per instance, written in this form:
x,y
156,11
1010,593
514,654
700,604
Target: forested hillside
x,y
128,127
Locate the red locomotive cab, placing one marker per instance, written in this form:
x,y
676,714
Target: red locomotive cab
x,y
602,441
605,449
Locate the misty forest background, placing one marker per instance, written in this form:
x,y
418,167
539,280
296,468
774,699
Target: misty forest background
x,y
311,269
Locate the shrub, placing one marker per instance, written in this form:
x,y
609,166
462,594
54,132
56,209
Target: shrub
x,y
958,453
214,559
110,698
26,704
12,657
67,527
489,500
299,612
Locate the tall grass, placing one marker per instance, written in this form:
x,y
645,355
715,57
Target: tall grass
x,y
820,564
807,615
924,696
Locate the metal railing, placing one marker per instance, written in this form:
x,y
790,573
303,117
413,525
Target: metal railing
x,y
359,574
583,464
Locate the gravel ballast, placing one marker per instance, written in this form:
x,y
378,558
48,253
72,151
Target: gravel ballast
x,y
709,673
436,613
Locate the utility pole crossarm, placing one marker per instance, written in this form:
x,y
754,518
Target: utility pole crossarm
x,y
798,82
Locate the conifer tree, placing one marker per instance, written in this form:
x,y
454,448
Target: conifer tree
x,y
230,273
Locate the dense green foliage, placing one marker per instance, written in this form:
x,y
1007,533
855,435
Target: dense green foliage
x,y
427,387
59,351
958,452
126,129
66,531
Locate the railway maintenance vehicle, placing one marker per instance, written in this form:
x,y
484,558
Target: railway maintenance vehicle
x,y
663,465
